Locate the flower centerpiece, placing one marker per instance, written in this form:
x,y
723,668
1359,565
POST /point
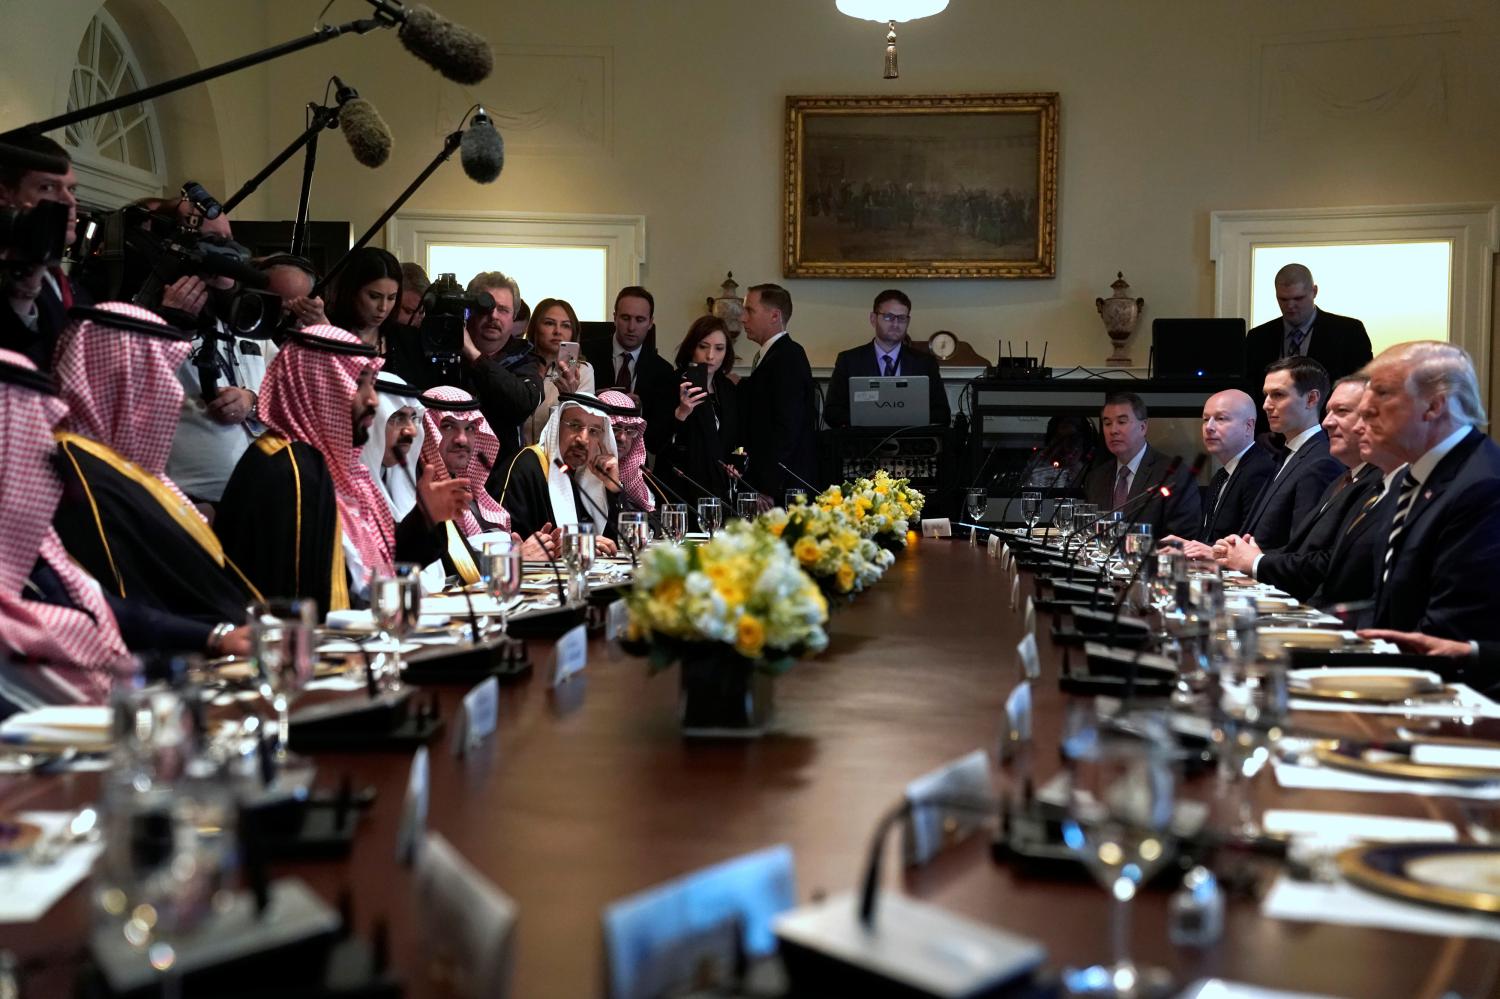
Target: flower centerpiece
x,y
827,546
734,612
880,507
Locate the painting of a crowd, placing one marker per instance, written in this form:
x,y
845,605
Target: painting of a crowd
x,y
1003,219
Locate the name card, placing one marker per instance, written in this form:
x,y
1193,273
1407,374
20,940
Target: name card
x,y
413,826
1018,714
934,824
466,923
1015,591
1026,654
571,654
1005,557
993,544
938,527
479,717
616,621
1029,624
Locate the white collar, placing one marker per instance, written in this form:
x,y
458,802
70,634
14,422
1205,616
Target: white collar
x,y
620,350
1133,463
1233,463
766,347
881,350
1421,469
1294,444
1389,477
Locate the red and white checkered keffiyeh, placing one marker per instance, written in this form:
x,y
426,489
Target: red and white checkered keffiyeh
x,y
483,450
121,388
306,397
632,461
81,649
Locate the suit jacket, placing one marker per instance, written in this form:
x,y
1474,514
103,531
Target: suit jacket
x,y
1441,572
862,362
1295,491
1300,567
1255,467
1350,577
52,317
1178,514
1339,343
651,369
780,419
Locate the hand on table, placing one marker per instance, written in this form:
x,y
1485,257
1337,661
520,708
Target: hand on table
x,y
1422,645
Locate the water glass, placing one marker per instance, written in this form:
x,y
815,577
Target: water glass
x,y
396,601
710,514
747,505
503,569
578,546
281,650
633,532
1031,508
1062,516
1140,542
976,503
674,521
796,497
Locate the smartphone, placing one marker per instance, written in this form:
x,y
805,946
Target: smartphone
x,y
696,375
568,353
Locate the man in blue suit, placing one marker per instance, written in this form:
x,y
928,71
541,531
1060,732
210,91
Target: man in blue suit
x,y
1295,388
1442,533
889,353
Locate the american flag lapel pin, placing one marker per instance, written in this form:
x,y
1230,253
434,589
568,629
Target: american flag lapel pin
x,y
1427,495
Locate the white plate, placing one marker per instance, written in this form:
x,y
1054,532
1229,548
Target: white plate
x,y
1297,676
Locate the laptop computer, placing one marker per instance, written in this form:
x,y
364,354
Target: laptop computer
x,y
899,401
1198,348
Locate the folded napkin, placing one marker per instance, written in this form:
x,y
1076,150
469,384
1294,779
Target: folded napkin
x,y
1430,754
1467,702
364,620
1292,775
28,890
1332,829
1347,905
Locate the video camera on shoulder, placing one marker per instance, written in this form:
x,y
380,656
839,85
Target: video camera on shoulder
x,y
446,308
35,236
173,248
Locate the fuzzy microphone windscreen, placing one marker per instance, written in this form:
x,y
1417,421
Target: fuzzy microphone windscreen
x,y
461,55
365,131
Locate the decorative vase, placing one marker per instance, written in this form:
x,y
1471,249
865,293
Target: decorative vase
x,y
1120,313
723,695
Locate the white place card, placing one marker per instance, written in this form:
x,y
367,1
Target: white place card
x,y
571,654
1029,622
992,544
1015,591
930,828
1018,712
413,823
1028,656
616,621
481,713
939,527
466,922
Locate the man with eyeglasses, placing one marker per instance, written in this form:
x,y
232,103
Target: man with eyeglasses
x,y
889,354
570,477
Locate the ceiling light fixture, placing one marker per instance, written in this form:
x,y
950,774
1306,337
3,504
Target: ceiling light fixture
x,y
889,12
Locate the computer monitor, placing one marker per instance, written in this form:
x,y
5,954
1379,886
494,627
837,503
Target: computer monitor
x,y
1198,348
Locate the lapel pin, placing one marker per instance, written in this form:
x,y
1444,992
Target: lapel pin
x,y
1427,494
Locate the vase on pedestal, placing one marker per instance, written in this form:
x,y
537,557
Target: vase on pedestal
x,y
1120,314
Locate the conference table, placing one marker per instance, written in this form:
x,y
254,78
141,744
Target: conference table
x,y
588,793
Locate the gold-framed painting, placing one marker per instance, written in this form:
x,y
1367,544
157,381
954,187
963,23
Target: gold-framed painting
x,y
940,186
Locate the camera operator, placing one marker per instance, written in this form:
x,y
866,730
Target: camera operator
x,y
37,297
291,278
466,341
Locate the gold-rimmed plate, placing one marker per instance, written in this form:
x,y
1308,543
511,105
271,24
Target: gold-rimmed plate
x,y
1374,685
1397,763
1305,638
1463,876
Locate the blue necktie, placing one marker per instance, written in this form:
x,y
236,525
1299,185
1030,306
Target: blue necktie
x,y
890,366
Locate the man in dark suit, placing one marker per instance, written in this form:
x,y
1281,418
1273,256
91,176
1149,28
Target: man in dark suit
x,y
1339,343
889,353
38,298
1300,566
1351,567
1229,435
1138,469
1476,663
781,424
625,362
1442,533
1295,388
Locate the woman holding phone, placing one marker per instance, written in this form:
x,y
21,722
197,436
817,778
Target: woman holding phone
x,y
693,425
553,332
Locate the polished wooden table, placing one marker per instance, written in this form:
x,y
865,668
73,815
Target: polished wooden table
x,y
579,800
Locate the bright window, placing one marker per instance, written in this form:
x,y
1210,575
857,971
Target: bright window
x,y
1399,290
577,274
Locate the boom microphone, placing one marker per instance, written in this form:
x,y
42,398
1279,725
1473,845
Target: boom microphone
x,y
482,151
461,55
366,132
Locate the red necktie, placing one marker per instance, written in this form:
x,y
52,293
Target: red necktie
x,y
622,377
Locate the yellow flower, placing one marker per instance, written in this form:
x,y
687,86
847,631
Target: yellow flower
x,y
668,591
732,593
777,528
881,490
750,636
806,550
845,577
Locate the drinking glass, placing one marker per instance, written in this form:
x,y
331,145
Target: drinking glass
x,y
674,521
1119,820
710,514
504,569
976,502
747,505
1139,543
281,646
1062,516
795,497
396,600
1084,515
1031,508
1106,526
1206,587
632,529
578,555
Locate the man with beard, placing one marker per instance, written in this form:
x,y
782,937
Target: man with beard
x,y
394,446
630,439
569,477
123,520
301,515
459,444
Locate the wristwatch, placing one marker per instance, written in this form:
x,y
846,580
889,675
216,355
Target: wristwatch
x,y
216,638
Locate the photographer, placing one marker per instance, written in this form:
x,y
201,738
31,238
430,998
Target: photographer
x,y
466,341
37,297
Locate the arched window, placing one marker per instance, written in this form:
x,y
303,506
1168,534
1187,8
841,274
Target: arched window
x,y
117,156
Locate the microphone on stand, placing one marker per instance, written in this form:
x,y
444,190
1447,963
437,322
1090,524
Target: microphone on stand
x,y
655,480
461,55
482,151
366,132
870,886
799,478
627,498
1133,502
701,487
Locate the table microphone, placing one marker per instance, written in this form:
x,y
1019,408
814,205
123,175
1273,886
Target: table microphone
x,y
1133,501
701,487
870,887
799,478
1164,490
627,498
659,484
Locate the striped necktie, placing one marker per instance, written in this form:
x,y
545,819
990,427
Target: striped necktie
x,y
1215,494
1294,342
1404,503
